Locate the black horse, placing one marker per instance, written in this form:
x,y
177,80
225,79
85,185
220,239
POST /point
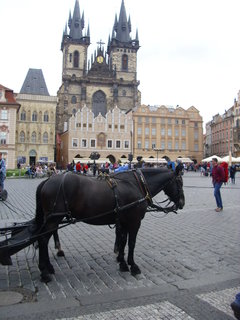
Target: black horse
x,y
121,199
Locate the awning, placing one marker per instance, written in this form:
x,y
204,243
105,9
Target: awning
x,y
185,160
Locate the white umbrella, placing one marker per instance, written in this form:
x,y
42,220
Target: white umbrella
x,y
229,159
210,159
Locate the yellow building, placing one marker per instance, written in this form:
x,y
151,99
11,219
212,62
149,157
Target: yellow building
x,y
35,130
166,131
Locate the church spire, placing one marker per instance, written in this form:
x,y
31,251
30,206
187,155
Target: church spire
x,y
76,23
123,30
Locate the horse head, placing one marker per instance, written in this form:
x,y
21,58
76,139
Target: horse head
x,y
174,189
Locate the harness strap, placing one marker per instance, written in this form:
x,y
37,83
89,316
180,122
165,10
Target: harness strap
x,y
143,183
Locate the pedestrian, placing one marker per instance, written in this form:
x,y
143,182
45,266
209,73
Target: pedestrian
x,y
232,173
2,172
19,168
235,305
218,177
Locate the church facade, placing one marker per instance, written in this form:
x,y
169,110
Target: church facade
x,y
102,83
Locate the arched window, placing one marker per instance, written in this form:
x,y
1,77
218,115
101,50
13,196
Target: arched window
x,y
23,116
99,103
22,137
34,116
34,137
45,137
74,100
124,62
76,59
45,116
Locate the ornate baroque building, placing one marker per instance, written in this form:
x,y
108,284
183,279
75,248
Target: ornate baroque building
x,y
109,79
35,129
162,131
9,108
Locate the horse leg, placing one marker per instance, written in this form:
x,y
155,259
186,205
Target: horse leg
x,y
45,266
117,238
60,252
122,240
131,246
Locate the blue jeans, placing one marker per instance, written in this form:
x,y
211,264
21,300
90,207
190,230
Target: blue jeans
x,y
217,194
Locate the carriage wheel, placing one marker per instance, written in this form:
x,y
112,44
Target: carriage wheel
x,y
3,195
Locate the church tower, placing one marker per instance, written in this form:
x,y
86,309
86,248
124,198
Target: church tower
x,y
74,47
107,80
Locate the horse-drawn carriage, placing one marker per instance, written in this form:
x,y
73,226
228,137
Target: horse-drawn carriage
x,y
121,199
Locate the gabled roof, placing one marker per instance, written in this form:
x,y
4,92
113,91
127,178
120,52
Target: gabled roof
x,y
34,83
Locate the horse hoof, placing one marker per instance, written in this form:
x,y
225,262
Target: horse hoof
x,y
60,253
45,278
135,270
123,267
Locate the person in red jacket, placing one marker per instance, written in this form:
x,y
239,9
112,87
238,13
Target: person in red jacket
x,y
218,177
78,167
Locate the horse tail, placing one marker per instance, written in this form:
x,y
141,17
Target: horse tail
x,y
39,218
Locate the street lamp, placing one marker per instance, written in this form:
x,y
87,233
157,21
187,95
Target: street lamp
x,y
157,150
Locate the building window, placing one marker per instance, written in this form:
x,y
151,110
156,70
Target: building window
x,y
4,115
147,131
183,121
45,116
93,143
195,135
147,119
183,133
162,131
195,125
153,131
176,121
84,143
153,120
78,125
153,144
122,126
45,137
118,144
76,59
124,62
109,126
183,145
139,130
196,147
74,111
22,137
169,121
169,145
74,100
23,116
74,143
126,144
169,132
162,121
110,144
3,138
176,145
176,132
146,144
139,144
163,145
139,119
70,57
34,116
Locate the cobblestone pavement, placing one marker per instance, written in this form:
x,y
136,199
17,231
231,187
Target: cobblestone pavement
x,y
189,262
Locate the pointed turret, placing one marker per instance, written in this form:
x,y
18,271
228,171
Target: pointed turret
x,y
123,32
76,25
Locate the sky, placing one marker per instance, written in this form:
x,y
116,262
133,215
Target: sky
x,y
189,54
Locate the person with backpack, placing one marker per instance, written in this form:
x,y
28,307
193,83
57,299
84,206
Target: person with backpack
x,y
218,177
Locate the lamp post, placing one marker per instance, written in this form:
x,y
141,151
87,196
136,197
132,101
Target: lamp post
x,y
157,150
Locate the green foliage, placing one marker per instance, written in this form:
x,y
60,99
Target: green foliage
x,y
15,172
